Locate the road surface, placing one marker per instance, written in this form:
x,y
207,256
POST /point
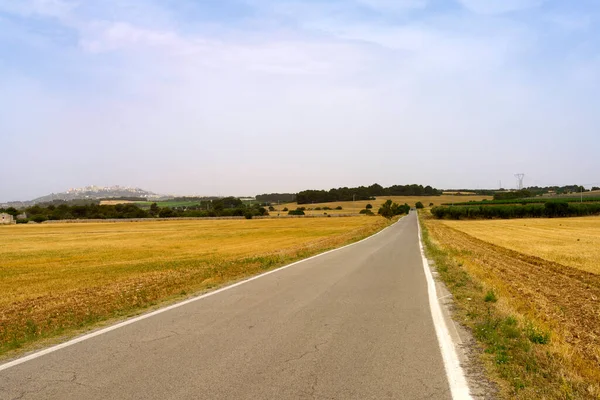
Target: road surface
x,y
351,324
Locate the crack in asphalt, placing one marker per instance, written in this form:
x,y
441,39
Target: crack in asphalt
x,y
316,349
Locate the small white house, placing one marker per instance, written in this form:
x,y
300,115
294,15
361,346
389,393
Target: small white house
x,y
6,219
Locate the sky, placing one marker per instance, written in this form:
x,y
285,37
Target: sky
x,y
240,97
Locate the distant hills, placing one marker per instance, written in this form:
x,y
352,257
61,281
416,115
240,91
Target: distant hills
x,y
89,193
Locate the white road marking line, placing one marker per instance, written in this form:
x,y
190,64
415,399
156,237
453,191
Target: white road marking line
x,y
52,349
456,377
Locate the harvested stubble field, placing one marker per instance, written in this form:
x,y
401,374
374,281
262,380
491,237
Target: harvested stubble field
x,y
546,271
354,207
55,279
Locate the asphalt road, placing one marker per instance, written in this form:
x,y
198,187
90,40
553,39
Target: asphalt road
x,y
351,324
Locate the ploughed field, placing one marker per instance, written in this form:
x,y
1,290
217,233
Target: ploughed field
x,y
59,278
545,269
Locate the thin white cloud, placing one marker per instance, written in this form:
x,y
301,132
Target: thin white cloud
x,y
47,8
394,5
499,6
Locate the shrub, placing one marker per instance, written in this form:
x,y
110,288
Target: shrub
x,y
490,297
285,209
38,218
338,208
369,206
430,204
419,205
296,212
271,208
248,215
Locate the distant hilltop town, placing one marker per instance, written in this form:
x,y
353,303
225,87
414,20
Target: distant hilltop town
x,y
88,193
101,190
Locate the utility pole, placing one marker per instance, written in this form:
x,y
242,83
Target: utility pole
x,y
520,178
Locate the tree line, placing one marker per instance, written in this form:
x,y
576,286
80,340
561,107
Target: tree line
x,y
537,200
363,193
227,207
275,198
550,209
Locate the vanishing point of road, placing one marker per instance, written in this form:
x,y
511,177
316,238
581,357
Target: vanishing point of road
x,y
350,324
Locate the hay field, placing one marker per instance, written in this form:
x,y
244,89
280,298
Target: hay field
x,y
354,207
574,242
114,202
60,277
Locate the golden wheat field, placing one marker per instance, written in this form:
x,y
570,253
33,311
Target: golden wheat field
x,y
574,242
354,207
58,277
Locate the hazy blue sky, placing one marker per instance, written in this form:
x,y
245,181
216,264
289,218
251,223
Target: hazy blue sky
x,y
248,96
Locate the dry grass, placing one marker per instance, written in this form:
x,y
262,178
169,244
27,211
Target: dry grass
x,y
114,202
558,298
56,278
570,241
354,207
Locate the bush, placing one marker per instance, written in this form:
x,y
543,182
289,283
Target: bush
x,y
296,212
285,209
338,208
248,215
369,206
419,205
271,208
38,218
430,204
389,209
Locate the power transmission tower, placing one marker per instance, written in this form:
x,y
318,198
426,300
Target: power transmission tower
x,y
520,178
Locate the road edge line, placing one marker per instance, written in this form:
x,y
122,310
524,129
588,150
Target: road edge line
x,y
85,337
457,381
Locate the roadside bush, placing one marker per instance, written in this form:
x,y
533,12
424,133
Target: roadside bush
x,y
419,205
248,215
389,209
296,212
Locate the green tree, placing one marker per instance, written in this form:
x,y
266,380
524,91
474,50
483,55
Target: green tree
x,y
386,210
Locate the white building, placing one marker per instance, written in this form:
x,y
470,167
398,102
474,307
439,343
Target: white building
x,y
6,219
